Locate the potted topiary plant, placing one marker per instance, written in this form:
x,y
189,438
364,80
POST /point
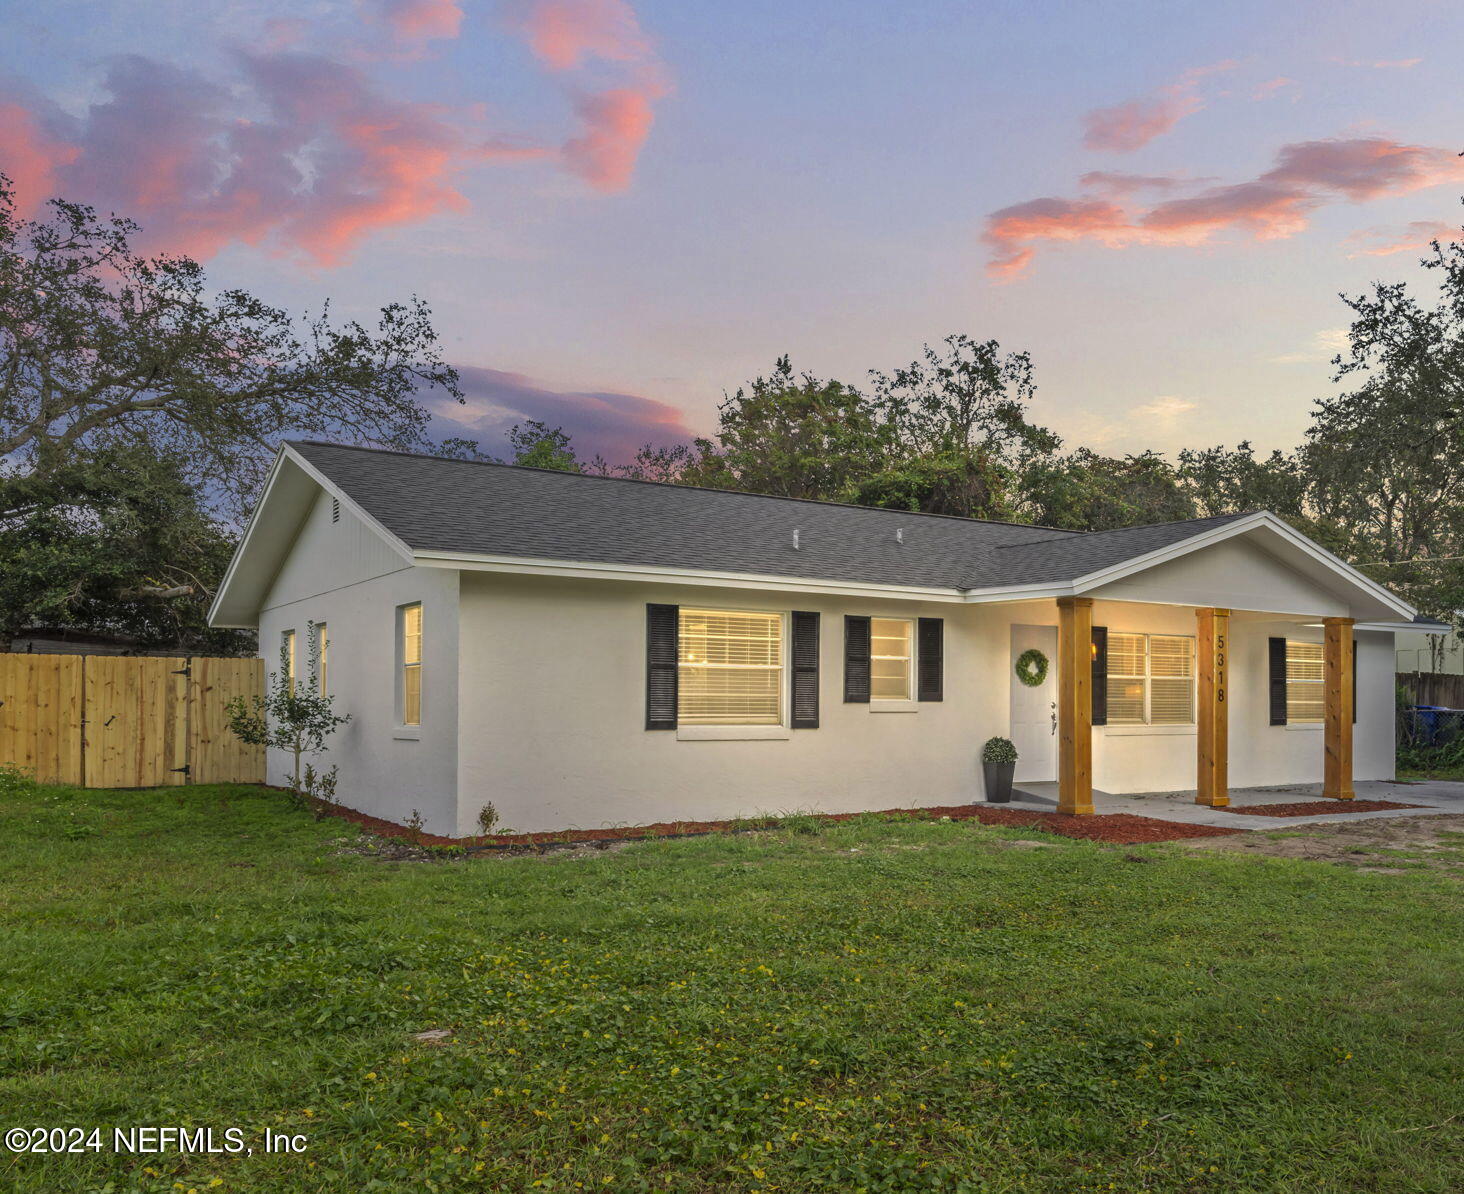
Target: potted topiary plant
x,y
998,763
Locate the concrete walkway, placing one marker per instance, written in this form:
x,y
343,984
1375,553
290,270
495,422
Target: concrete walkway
x,y
1435,796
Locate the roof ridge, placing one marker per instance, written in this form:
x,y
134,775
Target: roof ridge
x,y
1141,526
528,468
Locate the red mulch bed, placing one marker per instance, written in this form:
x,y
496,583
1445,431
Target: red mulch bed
x,y
1317,808
1119,828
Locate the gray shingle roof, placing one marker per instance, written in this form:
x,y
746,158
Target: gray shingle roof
x,y
433,504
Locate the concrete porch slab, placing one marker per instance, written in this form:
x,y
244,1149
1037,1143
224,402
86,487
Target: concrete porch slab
x,y
1433,796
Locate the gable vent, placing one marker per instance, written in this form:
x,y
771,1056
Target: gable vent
x,y
335,509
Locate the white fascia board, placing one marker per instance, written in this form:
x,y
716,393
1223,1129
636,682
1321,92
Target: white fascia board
x,y
473,562
244,541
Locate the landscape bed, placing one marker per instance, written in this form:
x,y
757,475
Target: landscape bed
x,y
1118,828
885,1005
1318,808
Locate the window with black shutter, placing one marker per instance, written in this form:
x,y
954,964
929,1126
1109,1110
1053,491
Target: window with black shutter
x,y
805,671
856,659
661,666
1100,675
930,667
1277,675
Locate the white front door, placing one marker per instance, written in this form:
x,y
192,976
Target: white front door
x,y
1034,709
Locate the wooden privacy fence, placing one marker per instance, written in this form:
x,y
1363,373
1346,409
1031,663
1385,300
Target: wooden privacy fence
x,y
1432,688
110,721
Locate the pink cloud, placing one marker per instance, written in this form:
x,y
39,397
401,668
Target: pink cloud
x,y
417,21
564,33
1271,87
1414,237
30,156
616,124
614,120
1132,125
1275,205
1116,183
322,159
1380,63
612,424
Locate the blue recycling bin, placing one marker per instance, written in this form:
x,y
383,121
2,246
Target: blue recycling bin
x,y
1427,723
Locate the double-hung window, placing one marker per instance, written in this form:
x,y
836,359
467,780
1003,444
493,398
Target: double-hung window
x,y
889,658
729,668
410,625
1151,679
1304,689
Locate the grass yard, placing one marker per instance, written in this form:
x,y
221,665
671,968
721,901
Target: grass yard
x,y
875,1006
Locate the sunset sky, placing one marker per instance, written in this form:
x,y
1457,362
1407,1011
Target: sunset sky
x,y
618,211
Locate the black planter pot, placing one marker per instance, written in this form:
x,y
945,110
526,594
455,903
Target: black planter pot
x,y
998,781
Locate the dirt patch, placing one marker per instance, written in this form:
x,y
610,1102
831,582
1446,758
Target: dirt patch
x,y
1388,844
1317,808
402,843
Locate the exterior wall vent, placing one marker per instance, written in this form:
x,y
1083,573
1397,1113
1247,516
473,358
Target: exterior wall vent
x,y
335,509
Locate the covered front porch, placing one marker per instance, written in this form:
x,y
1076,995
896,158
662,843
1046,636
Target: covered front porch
x,y
1083,686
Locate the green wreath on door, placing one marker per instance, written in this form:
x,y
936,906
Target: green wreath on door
x,y
1032,668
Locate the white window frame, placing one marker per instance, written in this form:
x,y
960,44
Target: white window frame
x,y
1148,679
746,730
1321,683
322,653
405,728
909,697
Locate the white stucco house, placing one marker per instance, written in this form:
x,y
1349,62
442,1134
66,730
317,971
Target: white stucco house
x,y
587,651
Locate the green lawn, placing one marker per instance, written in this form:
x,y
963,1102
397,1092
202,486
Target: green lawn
x,y
880,1006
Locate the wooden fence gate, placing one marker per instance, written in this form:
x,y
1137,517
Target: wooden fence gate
x,y
126,721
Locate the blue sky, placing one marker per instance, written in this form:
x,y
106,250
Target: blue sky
x,y
618,211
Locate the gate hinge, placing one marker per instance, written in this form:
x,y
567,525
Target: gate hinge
x,y
185,670
185,769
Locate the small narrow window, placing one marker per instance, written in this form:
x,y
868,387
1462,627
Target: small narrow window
x,y
889,659
287,657
322,648
335,509
411,624
1304,675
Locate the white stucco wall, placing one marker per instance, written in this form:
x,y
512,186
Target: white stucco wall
x,y
553,705
553,715
343,574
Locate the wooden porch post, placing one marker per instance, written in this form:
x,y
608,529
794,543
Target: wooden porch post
x,y
1337,660
1212,757
1075,705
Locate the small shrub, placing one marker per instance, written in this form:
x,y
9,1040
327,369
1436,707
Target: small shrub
x,y
295,716
319,789
487,819
415,824
998,750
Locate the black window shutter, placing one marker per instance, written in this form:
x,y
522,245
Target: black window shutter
x,y
856,659
930,668
805,670
662,626
1354,681
1100,675
1278,681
